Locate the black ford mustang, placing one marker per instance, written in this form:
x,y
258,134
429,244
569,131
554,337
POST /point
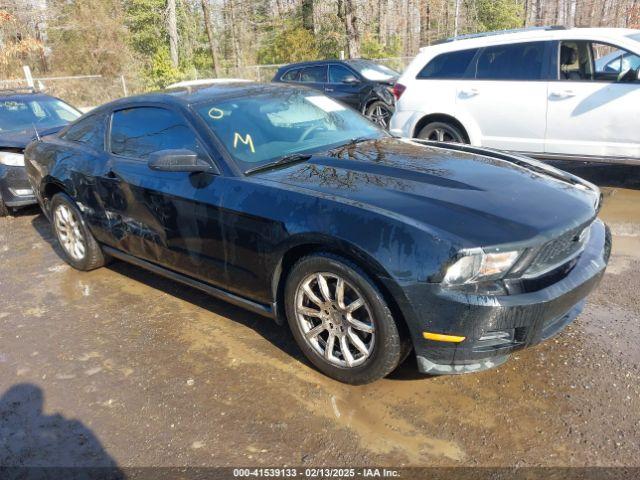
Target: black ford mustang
x,y
283,201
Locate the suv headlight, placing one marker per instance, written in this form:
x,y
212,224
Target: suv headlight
x,y
12,159
476,266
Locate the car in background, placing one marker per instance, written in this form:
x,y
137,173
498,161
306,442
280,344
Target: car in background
x,y
553,93
25,114
286,202
362,84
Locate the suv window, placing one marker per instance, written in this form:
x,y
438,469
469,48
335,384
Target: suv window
x,y
138,132
317,74
291,75
448,65
337,73
88,131
584,61
519,61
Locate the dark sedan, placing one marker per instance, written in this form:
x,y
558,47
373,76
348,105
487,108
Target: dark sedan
x,y
23,115
362,84
283,201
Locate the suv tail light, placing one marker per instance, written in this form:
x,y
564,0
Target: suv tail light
x,y
398,90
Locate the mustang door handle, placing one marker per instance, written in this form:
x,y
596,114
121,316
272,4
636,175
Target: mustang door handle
x,y
562,94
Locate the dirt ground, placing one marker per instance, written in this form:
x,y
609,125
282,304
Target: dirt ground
x,y
119,366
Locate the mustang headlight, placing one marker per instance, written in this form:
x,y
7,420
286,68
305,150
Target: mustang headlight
x,y
12,159
477,266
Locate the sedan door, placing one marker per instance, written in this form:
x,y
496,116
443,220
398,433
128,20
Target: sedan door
x,y
346,86
168,218
591,113
507,97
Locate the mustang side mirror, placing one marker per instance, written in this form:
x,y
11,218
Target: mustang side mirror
x,y
179,161
350,80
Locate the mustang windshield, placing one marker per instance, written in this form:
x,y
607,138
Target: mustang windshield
x,y
21,114
260,129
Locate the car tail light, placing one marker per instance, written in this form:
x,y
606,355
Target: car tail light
x,y
398,90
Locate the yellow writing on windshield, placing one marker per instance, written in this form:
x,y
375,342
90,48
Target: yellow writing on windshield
x,y
247,140
216,113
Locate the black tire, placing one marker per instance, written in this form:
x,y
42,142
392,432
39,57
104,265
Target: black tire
x,y
379,113
442,132
388,348
93,256
4,211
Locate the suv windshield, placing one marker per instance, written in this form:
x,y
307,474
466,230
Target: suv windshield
x,y
21,113
259,129
373,71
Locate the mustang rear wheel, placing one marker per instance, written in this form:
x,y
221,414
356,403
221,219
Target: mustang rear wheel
x,y
340,320
80,248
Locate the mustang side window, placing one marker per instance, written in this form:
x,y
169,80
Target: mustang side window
x,y
138,132
88,131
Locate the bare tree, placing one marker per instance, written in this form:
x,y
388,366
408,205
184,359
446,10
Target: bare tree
x,y
172,28
210,35
350,19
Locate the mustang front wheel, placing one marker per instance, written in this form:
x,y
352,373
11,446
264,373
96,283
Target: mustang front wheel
x,y
80,248
340,320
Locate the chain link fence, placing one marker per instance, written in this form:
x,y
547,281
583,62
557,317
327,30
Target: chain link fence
x,y
87,91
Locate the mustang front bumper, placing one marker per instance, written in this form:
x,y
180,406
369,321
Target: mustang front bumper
x,y
495,326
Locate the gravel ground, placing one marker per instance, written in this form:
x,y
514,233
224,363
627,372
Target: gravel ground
x,y
118,366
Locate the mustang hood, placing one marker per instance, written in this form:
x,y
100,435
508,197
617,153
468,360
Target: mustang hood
x,y
22,138
479,198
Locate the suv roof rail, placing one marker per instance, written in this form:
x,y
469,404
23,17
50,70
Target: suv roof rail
x,y
8,91
498,32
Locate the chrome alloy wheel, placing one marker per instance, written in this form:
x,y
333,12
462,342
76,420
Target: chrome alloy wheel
x,y
380,115
69,232
335,319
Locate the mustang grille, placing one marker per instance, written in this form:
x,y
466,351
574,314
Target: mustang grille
x,y
559,251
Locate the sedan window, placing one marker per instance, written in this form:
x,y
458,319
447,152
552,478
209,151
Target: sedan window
x,y
22,113
138,132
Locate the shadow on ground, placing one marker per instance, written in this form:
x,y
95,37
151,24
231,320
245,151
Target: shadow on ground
x,y
29,438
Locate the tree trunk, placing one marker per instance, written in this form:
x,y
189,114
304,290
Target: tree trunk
x,y
210,35
307,15
351,27
172,27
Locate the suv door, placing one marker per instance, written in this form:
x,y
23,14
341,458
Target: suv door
x,y
590,111
338,86
168,218
506,95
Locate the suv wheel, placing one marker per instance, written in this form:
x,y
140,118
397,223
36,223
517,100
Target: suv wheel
x,y
4,211
80,247
341,321
380,113
442,132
